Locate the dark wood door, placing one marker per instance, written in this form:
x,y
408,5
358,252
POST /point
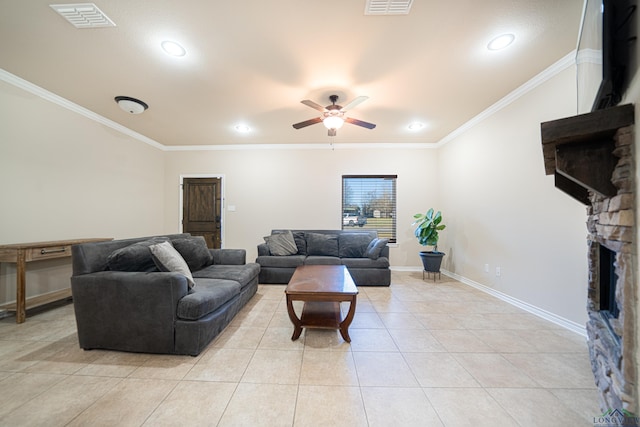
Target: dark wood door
x,y
202,208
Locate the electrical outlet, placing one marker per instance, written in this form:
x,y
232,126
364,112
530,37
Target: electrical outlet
x,y
486,268
498,271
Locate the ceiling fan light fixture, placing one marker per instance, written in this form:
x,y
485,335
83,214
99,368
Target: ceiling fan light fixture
x,y
333,115
131,105
333,122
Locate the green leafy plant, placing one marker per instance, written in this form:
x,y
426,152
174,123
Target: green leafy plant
x,y
427,227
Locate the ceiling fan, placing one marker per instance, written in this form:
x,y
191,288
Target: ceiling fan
x,y
333,115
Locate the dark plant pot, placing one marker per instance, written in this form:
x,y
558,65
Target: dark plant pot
x,y
431,260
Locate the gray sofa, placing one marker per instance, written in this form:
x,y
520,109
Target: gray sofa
x,y
325,247
122,300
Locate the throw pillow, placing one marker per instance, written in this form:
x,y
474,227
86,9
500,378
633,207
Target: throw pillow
x,y
301,242
375,247
195,252
353,245
167,258
135,257
322,244
282,244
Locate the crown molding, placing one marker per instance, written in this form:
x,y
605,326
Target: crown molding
x,y
18,82
310,146
562,64
589,56
559,66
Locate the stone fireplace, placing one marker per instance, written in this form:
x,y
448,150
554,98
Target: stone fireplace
x,y
591,156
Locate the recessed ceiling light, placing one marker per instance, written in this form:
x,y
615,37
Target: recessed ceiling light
x,y
415,126
242,128
173,48
501,42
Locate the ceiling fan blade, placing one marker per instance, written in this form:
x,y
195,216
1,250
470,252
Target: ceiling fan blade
x,y
353,103
332,132
359,123
307,123
314,105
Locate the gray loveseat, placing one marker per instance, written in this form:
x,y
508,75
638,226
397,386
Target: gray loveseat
x,y
122,300
365,256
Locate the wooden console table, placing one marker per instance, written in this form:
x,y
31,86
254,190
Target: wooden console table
x,y
22,253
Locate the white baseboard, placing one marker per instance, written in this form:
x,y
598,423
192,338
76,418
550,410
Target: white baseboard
x,y
544,314
403,268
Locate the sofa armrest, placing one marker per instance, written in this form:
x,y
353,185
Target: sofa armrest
x,y
385,251
229,256
127,311
263,250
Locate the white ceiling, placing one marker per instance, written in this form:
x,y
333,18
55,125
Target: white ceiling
x,y
253,61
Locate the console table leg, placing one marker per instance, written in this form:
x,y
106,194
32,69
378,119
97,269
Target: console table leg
x,y
21,268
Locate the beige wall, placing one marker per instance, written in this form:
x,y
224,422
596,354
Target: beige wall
x,y
65,176
302,188
72,177
503,211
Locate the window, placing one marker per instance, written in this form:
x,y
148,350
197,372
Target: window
x,y
369,202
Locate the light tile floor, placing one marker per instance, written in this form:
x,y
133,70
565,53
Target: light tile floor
x,y
422,354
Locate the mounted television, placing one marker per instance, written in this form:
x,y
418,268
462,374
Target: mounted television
x,y
606,42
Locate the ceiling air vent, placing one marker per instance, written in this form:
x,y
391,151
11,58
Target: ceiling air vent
x,y
83,15
388,7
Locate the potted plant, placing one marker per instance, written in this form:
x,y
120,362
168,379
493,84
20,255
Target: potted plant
x,y
427,227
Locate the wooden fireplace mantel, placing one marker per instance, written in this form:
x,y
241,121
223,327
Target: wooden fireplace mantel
x,y
579,150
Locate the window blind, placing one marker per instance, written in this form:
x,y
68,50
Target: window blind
x,y
369,202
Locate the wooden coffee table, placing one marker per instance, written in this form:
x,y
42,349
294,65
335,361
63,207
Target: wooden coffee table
x,y
322,288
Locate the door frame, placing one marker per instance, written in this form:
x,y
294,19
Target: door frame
x,y
222,201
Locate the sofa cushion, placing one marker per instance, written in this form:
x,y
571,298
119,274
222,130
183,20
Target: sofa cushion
x,y
210,295
195,252
301,242
280,261
380,262
243,274
135,257
321,260
281,244
353,245
375,247
167,258
322,244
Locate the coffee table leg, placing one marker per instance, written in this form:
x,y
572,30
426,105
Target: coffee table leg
x,y
297,324
344,326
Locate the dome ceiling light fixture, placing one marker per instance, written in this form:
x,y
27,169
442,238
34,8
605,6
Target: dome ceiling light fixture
x,y
131,105
415,126
501,42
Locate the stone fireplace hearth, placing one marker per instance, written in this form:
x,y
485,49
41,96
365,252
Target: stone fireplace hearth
x,y
612,340
592,158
